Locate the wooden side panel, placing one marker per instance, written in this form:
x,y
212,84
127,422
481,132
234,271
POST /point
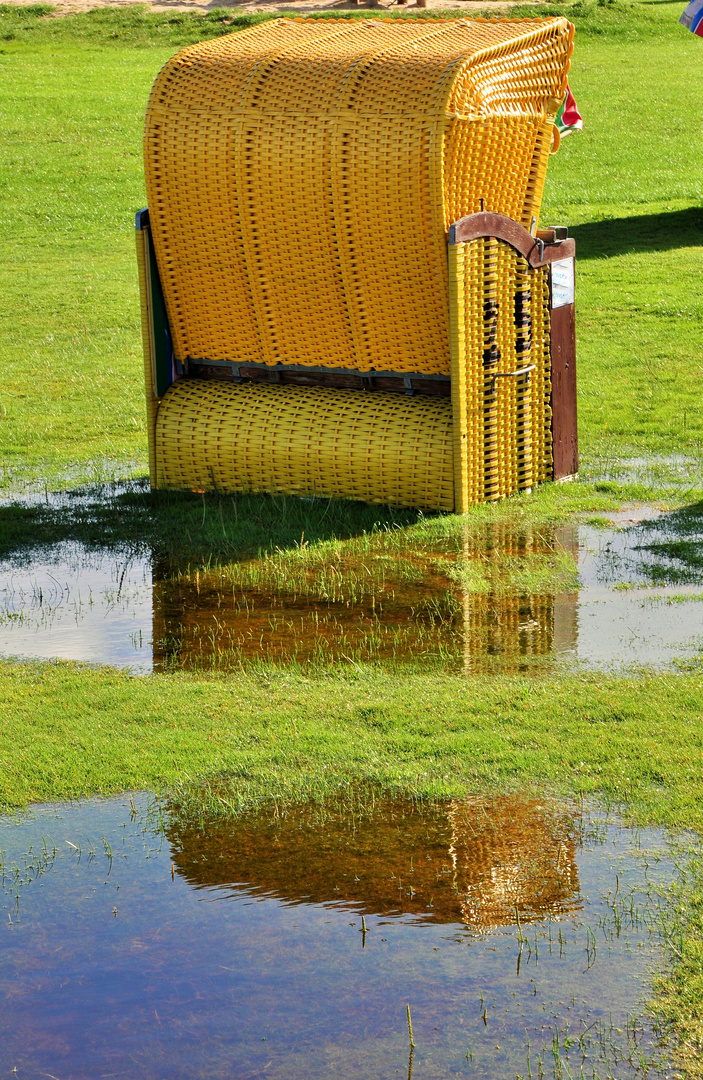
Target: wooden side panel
x,y
564,426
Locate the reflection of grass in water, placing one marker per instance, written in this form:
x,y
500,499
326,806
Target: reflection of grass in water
x,y
668,550
535,574
632,905
309,648
393,596
618,1044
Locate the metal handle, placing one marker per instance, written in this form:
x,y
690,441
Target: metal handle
x,y
510,375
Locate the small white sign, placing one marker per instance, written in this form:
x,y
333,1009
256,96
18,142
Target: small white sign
x,y
562,282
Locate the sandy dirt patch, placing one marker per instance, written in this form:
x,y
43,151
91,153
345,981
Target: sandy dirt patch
x,y
291,7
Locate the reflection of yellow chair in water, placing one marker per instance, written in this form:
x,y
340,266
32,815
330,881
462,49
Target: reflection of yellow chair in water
x,y
512,854
342,289
474,861
387,615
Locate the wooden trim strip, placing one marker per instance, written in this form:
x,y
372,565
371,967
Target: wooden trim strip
x,y
475,226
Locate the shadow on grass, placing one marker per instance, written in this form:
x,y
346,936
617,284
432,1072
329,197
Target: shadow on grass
x,y
181,525
632,235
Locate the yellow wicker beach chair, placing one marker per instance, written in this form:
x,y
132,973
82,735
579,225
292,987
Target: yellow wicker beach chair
x,y
344,291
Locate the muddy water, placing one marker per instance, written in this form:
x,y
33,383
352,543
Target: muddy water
x,y
290,945
495,598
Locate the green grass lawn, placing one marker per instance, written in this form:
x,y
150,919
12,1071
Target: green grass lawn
x,y
630,187
72,98
71,178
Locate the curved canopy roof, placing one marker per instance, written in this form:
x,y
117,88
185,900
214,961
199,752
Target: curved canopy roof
x,y
302,176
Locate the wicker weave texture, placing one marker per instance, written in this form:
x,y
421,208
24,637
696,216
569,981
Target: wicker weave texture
x,y
302,176
376,447
500,327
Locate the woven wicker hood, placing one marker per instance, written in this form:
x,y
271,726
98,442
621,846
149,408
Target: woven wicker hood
x,y
302,175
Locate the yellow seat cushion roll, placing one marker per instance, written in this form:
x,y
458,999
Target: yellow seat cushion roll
x,y
375,447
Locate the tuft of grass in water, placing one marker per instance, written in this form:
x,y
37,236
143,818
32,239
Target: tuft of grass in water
x,y
668,551
677,598
680,991
597,521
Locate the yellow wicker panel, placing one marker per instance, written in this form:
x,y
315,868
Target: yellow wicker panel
x,y
490,159
466,263
460,376
377,447
491,367
499,311
302,175
505,390
523,359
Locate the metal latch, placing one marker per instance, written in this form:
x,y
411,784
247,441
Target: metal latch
x,y
510,375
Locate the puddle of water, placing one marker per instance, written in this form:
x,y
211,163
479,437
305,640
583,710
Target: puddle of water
x,y
670,471
93,606
621,616
494,598
289,945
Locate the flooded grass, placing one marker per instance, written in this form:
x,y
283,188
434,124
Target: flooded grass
x,y
490,938
87,604
501,591
390,596
311,631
